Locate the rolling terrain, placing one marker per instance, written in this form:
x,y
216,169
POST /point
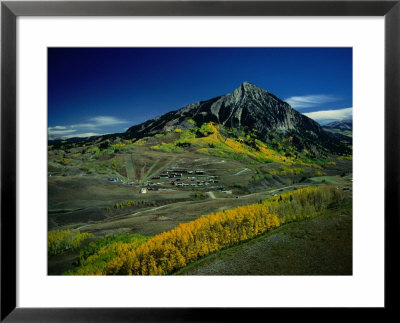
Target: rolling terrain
x,y
234,150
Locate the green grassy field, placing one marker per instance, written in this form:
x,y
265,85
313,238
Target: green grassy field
x,y
316,246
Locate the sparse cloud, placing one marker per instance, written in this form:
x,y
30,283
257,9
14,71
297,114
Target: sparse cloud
x,y
59,128
107,121
98,122
87,134
54,131
326,116
85,129
311,101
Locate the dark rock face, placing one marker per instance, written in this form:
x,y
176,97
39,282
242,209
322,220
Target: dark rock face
x,y
248,106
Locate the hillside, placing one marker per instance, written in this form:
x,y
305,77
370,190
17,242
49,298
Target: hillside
x,y
344,127
250,121
249,109
247,106
174,249
318,246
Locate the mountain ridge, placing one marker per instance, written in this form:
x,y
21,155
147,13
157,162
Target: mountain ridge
x,y
248,105
340,124
247,112
253,109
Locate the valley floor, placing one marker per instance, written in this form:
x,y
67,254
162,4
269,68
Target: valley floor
x,y
100,194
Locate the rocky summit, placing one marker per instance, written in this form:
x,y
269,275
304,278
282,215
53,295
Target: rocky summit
x,y
248,106
251,109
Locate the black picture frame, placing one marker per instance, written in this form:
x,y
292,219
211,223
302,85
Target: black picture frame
x,y
10,10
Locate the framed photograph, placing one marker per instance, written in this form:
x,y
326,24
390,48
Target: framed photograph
x,y
167,160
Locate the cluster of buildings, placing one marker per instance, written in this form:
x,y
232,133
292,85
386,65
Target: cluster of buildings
x,y
179,178
192,181
177,173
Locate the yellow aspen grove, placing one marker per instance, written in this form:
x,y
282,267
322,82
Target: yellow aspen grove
x,y
114,265
174,249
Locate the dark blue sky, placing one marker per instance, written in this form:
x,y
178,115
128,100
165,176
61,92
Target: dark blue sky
x,y
101,90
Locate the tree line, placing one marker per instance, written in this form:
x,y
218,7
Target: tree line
x,y
174,249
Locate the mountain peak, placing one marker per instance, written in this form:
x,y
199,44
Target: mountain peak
x,y
247,86
247,107
247,90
